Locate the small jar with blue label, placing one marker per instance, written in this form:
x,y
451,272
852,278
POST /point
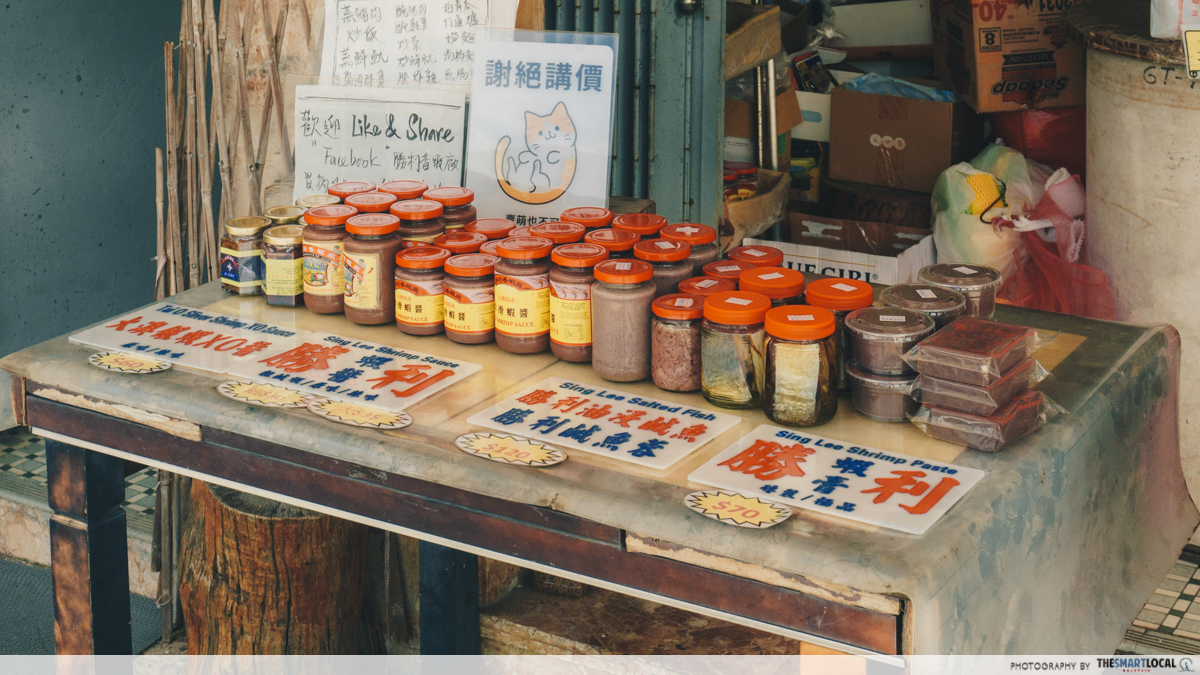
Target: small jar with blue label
x,y
242,267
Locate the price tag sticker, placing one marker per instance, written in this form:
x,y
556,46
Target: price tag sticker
x,y
1191,49
772,275
120,362
965,270
706,283
845,288
509,449
738,301
357,415
926,293
269,395
892,317
733,508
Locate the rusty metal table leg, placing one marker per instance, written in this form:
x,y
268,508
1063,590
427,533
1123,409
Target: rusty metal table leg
x,y
449,600
88,551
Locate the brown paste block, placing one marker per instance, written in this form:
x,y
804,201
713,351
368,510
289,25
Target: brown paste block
x,y
986,433
972,399
972,351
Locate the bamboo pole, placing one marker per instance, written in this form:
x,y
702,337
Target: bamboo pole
x,y
255,169
220,133
174,282
204,166
160,250
186,53
273,48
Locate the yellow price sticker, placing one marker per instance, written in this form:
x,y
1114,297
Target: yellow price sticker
x,y
357,415
508,449
1191,51
269,395
737,509
120,362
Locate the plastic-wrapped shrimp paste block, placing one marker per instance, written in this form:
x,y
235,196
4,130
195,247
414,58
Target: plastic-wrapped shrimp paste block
x,y
978,400
987,433
971,351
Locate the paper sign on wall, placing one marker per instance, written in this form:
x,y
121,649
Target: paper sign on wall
x,y
190,337
838,478
542,143
612,423
377,135
356,371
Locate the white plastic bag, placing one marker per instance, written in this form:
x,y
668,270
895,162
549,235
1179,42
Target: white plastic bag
x,y
1167,15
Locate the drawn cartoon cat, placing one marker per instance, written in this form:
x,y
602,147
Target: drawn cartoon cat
x,y
544,170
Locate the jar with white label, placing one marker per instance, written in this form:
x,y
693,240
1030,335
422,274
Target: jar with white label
x,y
840,297
670,261
621,300
369,267
645,225
782,285
701,238
706,286
758,256
675,342
977,283
470,300
571,282
880,336
523,295
731,349
800,384
726,269
420,290
940,304
619,243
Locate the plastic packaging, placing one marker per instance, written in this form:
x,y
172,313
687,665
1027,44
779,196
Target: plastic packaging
x,y
1023,414
1053,136
880,337
884,398
977,283
940,304
886,85
1167,16
800,378
731,345
980,400
972,351
675,342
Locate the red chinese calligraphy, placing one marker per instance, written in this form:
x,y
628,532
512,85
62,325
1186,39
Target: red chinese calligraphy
x,y
147,328
595,412
409,373
569,403
690,434
251,348
660,426
908,483
423,384
626,417
168,333
537,396
191,337
232,343
766,460
305,357
120,325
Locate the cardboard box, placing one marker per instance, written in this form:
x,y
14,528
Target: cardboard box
x,y
814,109
1007,55
872,252
740,120
899,142
752,35
751,217
883,30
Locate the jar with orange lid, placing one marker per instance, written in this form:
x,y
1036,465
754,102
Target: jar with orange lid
x,y
242,268
729,183
369,262
559,232
420,288
415,244
420,219
470,300
706,286
675,341
800,385
324,276
457,209
571,299
492,228
670,261
404,190
591,217
459,242
313,201
782,285
731,349
759,256
746,175
371,202
726,269
350,187
489,247
523,295
618,242
621,300
645,225
523,231
840,297
701,238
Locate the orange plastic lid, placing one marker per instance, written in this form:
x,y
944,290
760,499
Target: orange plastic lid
x,y
759,256
404,189
492,228
373,224
623,271
590,217
525,248
523,231
578,255
839,294
460,242
334,214
371,202
471,265
773,282
692,233
706,286
450,196
736,308
726,269
645,224
413,243
661,250
490,247
613,240
799,322
678,306
417,209
350,187
739,167
422,257
729,175
559,232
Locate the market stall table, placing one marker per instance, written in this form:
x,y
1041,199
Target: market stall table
x,y
1053,551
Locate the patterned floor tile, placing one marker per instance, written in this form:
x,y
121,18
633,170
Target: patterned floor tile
x,y
1158,630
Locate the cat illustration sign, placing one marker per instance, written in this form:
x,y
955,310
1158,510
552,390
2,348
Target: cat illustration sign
x,y
542,144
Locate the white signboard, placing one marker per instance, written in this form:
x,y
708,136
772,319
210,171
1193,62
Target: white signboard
x,y
838,478
370,43
541,135
377,135
357,371
612,423
190,337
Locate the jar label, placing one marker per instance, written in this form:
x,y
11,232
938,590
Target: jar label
x,y
623,266
729,268
706,283
926,293
420,302
362,280
571,313
892,318
285,277
965,270
772,275
470,310
683,302
664,244
739,301
800,317
754,252
523,304
323,274
843,287
241,269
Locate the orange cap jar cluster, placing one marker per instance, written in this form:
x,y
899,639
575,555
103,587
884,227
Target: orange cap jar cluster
x,y
800,381
701,238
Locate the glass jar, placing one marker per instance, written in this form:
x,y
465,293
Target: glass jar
x,y
523,295
800,386
459,242
324,275
782,285
883,398
404,190
369,264
706,286
881,336
420,290
350,187
726,269
670,261
242,256
489,247
457,209
977,283
558,232
758,256
420,220
571,282
470,301
283,257
618,242
645,225
371,202
745,177
591,217
313,201
840,296
731,349
621,300
522,231
284,215
729,183
675,342
701,238
940,304
492,228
